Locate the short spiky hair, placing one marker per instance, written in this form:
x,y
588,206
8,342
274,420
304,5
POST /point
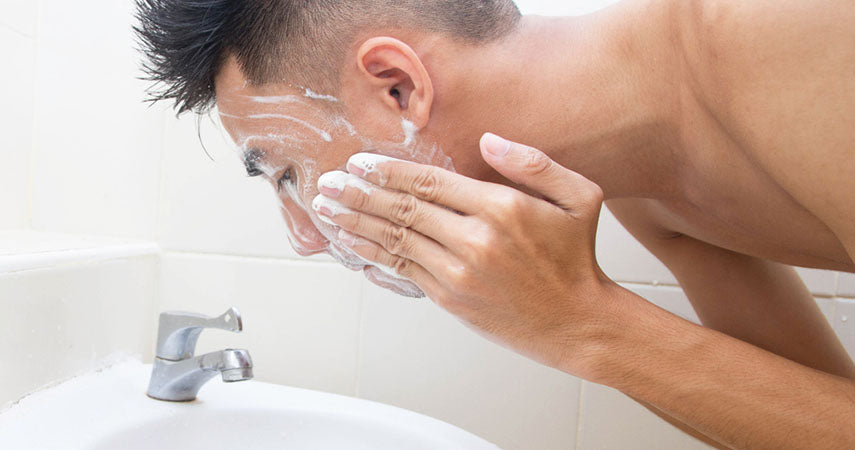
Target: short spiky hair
x,y
187,41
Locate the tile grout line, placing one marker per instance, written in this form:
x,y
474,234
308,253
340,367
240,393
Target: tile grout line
x,y
579,406
656,284
357,378
12,29
251,257
836,283
833,315
31,157
161,195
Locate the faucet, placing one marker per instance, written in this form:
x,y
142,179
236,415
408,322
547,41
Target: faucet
x,y
176,374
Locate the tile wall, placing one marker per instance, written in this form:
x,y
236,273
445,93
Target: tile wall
x,y
91,159
18,47
80,154
65,319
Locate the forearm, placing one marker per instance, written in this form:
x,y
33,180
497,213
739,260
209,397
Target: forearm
x,y
731,391
681,426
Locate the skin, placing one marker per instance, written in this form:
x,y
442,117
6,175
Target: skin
x,y
718,132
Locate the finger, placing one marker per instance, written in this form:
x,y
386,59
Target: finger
x,y
400,208
393,265
395,239
530,167
397,285
429,183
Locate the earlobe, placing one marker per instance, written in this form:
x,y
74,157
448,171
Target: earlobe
x,y
398,77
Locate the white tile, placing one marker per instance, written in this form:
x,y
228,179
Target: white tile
x,y
819,282
669,298
16,125
19,15
300,319
96,146
31,250
611,420
844,324
416,356
212,206
826,305
624,259
846,285
65,319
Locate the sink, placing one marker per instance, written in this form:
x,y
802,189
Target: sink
x,y
109,410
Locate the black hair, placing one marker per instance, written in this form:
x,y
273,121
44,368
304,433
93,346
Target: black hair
x,y
185,42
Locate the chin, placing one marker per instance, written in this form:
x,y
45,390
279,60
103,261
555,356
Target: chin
x,y
397,285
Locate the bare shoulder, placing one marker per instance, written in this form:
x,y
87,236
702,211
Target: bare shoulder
x,y
778,76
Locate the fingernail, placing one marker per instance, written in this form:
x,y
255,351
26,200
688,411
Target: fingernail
x,y
330,192
328,208
331,184
362,164
346,238
356,170
496,146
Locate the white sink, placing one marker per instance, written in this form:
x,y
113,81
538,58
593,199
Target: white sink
x,y
109,410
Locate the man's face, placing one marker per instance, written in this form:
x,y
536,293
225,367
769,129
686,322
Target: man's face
x,y
291,136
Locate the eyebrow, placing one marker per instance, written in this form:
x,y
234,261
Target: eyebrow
x,y
252,158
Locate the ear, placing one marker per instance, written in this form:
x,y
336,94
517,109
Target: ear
x,y
398,77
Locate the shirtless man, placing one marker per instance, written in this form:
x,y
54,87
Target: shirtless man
x,y
719,132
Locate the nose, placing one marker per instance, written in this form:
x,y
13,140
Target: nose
x,y
305,238
301,250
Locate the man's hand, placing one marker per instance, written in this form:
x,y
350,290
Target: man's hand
x,y
518,268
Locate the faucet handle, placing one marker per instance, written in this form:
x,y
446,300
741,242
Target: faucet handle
x,y
178,331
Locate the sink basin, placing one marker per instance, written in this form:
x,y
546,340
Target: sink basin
x,y
109,410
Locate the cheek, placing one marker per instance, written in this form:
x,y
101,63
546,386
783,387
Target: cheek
x,y
305,238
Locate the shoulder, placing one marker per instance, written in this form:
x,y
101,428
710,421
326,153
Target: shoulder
x,y
778,78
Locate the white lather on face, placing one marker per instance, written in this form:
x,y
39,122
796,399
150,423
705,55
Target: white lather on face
x,y
300,133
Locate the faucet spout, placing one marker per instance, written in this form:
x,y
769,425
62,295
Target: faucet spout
x,y
180,381
177,375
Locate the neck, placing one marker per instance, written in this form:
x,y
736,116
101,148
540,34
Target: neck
x,y
596,93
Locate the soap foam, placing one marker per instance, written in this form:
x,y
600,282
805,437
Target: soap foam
x,y
276,99
335,208
338,180
326,125
308,93
368,162
410,130
324,134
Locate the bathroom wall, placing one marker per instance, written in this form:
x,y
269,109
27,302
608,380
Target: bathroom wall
x,y
80,168
112,211
18,45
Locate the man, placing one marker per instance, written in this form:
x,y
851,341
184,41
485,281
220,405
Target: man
x,y
719,133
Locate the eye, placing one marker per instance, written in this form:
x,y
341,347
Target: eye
x,y
287,177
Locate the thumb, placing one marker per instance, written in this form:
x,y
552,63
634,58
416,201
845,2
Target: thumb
x,y
531,167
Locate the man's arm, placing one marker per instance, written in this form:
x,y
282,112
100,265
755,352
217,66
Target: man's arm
x,y
756,301
727,389
546,298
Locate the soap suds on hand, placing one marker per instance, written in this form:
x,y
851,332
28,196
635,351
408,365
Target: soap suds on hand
x,y
338,179
316,125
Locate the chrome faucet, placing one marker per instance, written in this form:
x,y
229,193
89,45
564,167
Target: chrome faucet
x,y
176,374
